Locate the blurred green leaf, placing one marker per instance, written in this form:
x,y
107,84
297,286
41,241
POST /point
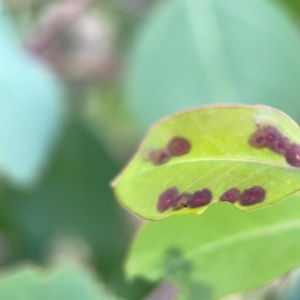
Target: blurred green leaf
x,y
220,158
74,197
194,52
105,114
293,6
31,110
53,283
221,252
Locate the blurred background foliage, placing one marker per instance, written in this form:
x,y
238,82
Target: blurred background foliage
x,y
80,81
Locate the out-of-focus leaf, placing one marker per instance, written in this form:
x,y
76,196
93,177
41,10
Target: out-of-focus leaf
x,y
220,159
221,252
194,52
54,283
31,110
75,198
105,114
293,6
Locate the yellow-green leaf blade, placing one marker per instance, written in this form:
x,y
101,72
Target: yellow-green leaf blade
x,y
220,158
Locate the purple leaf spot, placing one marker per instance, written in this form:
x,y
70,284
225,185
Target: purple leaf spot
x,y
159,156
269,137
167,199
179,146
253,195
292,155
231,195
200,198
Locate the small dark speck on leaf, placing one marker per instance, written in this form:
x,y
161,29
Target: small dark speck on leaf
x,y
292,156
253,195
200,198
231,195
179,146
181,201
167,199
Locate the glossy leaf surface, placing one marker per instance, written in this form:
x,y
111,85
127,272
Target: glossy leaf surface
x,y
220,158
221,252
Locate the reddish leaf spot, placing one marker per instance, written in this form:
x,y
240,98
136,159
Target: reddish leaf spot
x,y
270,137
200,198
159,156
259,138
281,145
179,146
231,195
182,201
167,199
253,195
292,155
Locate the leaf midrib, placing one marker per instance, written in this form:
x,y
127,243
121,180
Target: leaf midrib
x,y
170,164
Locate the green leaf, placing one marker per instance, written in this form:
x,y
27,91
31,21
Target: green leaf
x,y
222,252
220,158
75,190
192,53
53,283
31,110
73,198
292,6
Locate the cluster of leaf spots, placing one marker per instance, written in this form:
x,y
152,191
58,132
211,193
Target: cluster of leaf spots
x,y
268,136
177,146
171,198
253,195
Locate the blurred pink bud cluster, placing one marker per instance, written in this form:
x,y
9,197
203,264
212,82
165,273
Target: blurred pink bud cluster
x,y
77,43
